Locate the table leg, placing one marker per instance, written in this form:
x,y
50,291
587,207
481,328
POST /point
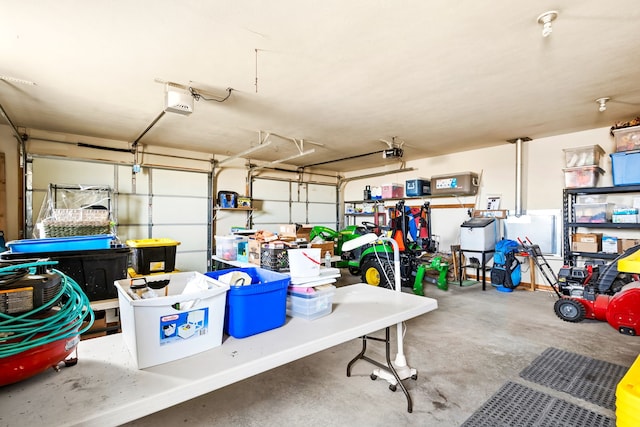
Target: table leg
x,y
388,367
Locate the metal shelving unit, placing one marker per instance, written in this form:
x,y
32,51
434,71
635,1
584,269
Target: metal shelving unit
x,y
570,226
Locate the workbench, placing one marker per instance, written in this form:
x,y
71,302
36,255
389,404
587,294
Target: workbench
x,y
105,388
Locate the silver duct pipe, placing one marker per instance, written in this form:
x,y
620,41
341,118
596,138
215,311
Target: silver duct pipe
x,y
519,177
518,142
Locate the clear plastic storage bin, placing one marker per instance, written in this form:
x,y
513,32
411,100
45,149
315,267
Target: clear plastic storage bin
x,y
310,306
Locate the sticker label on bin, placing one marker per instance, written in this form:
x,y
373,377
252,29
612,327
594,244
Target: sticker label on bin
x,y
178,327
447,183
156,266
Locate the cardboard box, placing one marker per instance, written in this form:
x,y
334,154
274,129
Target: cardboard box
x,y
611,245
324,247
586,242
304,232
253,251
166,328
628,243
287,231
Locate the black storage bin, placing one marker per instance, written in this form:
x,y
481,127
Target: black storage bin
x,y
153,259
94,270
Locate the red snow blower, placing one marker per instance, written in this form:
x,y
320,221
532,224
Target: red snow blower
x,y
608,292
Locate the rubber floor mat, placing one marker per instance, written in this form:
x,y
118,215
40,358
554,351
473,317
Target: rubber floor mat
x,y
518,405
580,376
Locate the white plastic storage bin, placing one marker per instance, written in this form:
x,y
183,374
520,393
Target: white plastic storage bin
x,y
166,328
312,305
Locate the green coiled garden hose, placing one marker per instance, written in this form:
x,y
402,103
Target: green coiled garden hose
x,y
28,330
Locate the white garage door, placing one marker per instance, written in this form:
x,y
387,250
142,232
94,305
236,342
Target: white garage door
x,y
293,202
155,203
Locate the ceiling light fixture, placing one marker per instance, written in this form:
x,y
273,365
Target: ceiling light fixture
x,y
545,19
602,104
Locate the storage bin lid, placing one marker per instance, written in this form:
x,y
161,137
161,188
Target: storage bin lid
x,y
477,222
151,243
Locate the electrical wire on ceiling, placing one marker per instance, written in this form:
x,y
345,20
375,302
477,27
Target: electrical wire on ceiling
x,y
198,96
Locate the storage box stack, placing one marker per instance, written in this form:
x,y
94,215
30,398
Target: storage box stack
x,y
582,166
625,162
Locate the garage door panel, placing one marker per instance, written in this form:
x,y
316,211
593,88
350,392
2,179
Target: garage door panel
x,y
126,180
272,212
132,209
191,237
299,213
178,183
180,210
319,212
270,189
58,171
322,193
132,232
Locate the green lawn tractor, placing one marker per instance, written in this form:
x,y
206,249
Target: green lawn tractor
x,y
375,262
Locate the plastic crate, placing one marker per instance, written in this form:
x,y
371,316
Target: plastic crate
x,y
312,305
625,168
258,307
275,259
153,255
58,244
156,330
94,270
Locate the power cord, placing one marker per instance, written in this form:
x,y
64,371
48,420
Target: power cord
x,y
197,96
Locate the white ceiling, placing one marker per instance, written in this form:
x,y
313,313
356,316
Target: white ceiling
x,y
440,75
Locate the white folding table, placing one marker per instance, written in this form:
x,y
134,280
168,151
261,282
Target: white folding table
x,y
106,388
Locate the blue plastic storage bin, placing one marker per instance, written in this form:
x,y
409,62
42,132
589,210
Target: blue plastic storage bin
x,y
258,307
58,244
625,167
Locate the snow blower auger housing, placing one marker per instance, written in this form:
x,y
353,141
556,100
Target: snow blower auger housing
x,y
608,292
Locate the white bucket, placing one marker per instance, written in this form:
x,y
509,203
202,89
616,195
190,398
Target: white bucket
x,y
304,262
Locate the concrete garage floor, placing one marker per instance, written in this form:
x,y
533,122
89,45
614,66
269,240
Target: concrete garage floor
x,y
464,352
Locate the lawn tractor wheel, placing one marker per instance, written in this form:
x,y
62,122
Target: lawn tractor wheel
x,y
376,274
569,310
355,271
